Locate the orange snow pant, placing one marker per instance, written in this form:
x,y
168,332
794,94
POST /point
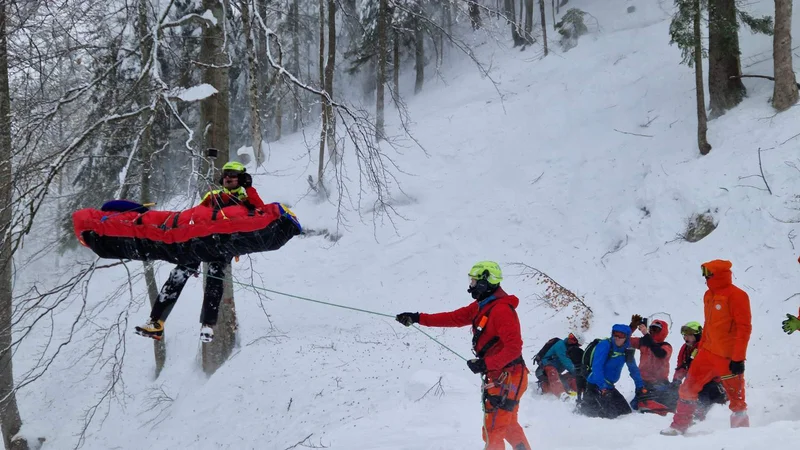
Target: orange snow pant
x,y
705,367
554,383
501,402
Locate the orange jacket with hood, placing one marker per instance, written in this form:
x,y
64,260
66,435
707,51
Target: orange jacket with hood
x,y
728,323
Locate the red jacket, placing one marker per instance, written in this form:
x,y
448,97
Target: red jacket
x,y
685,357
654,361
502,323
224,197
727,327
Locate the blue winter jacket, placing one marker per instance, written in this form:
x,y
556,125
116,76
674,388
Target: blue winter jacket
x,y
608,360
557,357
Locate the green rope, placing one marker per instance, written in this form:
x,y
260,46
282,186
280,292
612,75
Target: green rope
x,y
434,340
335,305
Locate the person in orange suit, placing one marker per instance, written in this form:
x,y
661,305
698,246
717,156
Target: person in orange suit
x,y
497,344
722,348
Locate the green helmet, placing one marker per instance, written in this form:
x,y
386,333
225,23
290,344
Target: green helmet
x,y
234,165
487,270
692,328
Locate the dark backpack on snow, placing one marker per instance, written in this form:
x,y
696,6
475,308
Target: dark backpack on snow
x,y
585,367
545,348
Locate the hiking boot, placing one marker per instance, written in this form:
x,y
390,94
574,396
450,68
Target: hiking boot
x,y
206,333
153,329
672,432
569,397
740,419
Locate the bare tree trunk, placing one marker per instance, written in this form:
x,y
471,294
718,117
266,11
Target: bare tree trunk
x,y
448,17
278,108
529,21
216,352
511,17
474,14
396,62
785,93
148,149
298,107
252,81
702,120
419,49
215,118
554,6
544,25
10,421
724,91
330,66
263,68
351,23
323,101
382,23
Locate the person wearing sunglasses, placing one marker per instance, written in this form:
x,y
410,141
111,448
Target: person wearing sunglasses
x,y
713,392
237,189
604,364
497,344
722,351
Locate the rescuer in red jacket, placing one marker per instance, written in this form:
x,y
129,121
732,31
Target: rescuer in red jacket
x,y
497,344
237,189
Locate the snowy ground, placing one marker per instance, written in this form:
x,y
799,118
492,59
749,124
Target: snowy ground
x,y
542,177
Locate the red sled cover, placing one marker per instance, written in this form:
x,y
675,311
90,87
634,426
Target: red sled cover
x,y
195,235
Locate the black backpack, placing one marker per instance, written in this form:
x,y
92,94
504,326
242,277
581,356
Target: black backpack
x,y
543,351
585,367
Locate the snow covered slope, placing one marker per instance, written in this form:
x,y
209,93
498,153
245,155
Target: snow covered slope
x,y
548,176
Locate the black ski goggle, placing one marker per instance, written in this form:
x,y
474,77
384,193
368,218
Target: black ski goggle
x,y
230,174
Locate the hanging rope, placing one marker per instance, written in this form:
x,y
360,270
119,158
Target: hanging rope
x,y
335,305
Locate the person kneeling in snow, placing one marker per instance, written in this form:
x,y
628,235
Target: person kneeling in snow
x,y
497,343
712,392
561,356
657,397
602,367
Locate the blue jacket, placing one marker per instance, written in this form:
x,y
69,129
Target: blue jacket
x,y
557,357
608,360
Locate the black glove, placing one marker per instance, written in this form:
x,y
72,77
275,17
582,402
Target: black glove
x,y
407,318
737,367
641,392
477,365
245,180
636,319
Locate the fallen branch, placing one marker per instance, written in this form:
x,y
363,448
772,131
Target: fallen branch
x,y
735,77
791,297
633,134
617,247
437,388
762,171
